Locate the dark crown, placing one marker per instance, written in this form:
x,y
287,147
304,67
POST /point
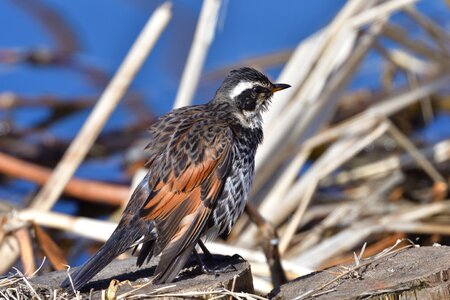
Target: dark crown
x,y
242,74
245,74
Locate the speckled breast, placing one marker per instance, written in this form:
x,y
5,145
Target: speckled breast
x,y
232,202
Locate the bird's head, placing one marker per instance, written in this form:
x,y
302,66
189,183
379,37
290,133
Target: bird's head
x,y
249,92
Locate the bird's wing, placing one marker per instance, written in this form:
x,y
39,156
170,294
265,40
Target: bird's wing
x,y
186,178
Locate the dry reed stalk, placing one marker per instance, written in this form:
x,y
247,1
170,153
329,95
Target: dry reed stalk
x,y
319,212
378,12
204,35
315,234
265,151
77,150
438,153
306,55
310,88
308,70
407,62
440,36
78,225
399,36
418,228
294,72
346,215
281,187
50,249
332,47
26,250
385,107
416,213
354,235
297,217
421,160
300,121
339,243
331,92
369,251
79,147
399,101
335,156
425,103
89,190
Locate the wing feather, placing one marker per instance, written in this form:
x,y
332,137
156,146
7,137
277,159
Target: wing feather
x,y
181,201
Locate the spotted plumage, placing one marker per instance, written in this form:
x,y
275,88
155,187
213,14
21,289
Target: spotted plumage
x,y
201,165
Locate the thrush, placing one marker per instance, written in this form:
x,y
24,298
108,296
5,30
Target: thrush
x,y
200,169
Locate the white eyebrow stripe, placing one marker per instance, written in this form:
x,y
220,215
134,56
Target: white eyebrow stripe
x,y
242,86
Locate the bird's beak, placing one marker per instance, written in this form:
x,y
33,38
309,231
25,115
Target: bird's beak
x,y
279,86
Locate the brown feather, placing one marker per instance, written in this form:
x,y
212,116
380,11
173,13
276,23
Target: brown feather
x,y
180,202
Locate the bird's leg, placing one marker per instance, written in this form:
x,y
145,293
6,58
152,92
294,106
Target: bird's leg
x,y
205,250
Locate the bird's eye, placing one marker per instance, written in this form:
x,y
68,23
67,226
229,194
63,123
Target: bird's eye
x,y
256,89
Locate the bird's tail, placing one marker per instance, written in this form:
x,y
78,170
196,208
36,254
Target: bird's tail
x,y
121,239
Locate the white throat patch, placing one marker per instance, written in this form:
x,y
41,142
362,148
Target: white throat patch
x,y
240,87
250,119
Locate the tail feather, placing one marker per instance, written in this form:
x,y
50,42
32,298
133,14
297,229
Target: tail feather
x,y
122,238
146,252
170,266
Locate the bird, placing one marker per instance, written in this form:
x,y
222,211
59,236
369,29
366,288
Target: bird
x,y
200,169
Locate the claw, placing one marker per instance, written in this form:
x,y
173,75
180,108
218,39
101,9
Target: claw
x,y
216,270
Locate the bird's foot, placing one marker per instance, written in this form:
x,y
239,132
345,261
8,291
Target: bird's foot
x,y
216,270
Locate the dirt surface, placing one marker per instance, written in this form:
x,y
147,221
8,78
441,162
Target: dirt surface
x,y
191,279
415,273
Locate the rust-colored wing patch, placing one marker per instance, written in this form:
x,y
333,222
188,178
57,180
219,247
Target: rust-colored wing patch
x,y
180,203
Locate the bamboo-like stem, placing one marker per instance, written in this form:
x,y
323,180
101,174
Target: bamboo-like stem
x,y
341,242
407,62
77,150
344,150
310,88
425,103
380,11
298,215
349,213
421,160
333,89
285,181
386,107
88,190
418,228
294,72
439,153
359,231
78,225
309,67
400,36
26,250
441,37
203,38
